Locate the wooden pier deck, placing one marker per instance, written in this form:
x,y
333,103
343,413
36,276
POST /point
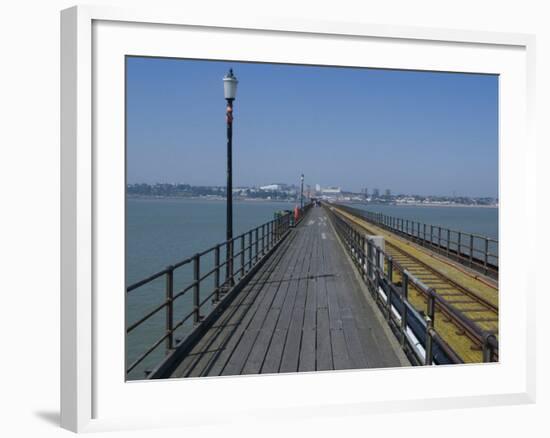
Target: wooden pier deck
x,y
304,310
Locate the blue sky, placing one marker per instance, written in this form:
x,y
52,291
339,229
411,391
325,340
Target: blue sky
x,y
407,131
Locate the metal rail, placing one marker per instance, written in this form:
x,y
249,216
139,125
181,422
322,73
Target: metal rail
x,y
475,251
491,307
460,316
245,252
464,322
417,333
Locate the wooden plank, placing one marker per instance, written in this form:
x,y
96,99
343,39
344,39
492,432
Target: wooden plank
x,y
324,349
308,350
333,305
275,352
340,354
355,349
310,311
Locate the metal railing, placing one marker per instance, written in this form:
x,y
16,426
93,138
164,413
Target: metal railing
x,y
473,250
415,330
241,254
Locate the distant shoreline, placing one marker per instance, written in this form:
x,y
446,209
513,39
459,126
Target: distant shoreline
x,y
201,198
419,204
260,200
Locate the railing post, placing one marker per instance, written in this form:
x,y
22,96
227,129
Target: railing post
x,y
439,237
249,250
377,271
169,308
431,235
423,234
448,241
363,260
358,249
376,276
459,244
242,255
405,285
196,289
263,239
488,350
471,250
486,258
217,273
369,259
430,316
257,255
404,300
389,261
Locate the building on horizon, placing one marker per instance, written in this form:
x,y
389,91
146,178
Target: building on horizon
x,y
331,191
272,187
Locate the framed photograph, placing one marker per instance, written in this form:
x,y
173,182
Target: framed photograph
x,y
274,215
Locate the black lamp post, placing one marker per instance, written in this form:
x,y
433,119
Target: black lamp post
x,y
302,192
230,91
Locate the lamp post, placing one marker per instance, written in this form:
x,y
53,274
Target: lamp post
x,y
230,91
302,192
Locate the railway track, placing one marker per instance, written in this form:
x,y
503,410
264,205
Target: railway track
x,y
466,316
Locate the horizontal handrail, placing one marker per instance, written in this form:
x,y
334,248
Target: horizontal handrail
x,y
252,246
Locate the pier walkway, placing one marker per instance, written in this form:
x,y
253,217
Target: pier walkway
x,y
305,309
341,289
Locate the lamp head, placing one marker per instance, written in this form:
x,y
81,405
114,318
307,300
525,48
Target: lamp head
x,y
230,85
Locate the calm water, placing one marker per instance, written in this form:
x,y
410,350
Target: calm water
x,y
477,220
160,232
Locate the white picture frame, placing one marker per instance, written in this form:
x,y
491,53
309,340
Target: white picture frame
x,y
94,395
